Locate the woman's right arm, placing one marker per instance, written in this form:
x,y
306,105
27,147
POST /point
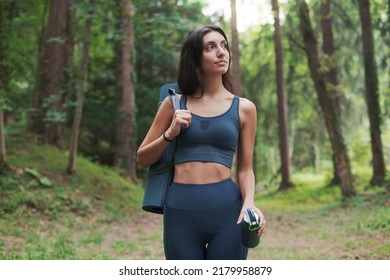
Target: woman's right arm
x,y
166,121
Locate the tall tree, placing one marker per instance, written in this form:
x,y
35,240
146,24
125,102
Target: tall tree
x,y
3,156
331,74
125,132
235,50
47,112
34,122
7,12
3,84
326,103
282,103
371,93
81,86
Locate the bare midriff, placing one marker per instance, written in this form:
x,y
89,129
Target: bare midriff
x,y
201,173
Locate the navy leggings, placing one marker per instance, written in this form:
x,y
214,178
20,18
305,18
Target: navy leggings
x,y
200,222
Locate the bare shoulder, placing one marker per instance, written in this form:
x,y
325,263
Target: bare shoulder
x,y
248,123
247,107
166,106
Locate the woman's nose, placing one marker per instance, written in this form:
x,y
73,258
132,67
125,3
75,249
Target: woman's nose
x,y
220,51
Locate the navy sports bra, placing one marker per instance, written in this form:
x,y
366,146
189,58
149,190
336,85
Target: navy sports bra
x,y
209,139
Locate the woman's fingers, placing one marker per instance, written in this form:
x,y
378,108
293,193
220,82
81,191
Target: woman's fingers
x,y
262,224
182,117
242,213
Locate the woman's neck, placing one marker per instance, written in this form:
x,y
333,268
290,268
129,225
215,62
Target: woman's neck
x,y
213,87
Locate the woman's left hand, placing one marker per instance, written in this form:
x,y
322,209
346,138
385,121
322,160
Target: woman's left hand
x,y
258,212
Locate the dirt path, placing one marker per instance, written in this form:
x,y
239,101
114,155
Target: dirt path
x,y
311,235
141,239
325,236
286,237
283,239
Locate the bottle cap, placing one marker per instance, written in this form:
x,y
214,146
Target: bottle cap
x,y
252,219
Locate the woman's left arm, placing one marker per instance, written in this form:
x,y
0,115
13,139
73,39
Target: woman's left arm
x,y
245,174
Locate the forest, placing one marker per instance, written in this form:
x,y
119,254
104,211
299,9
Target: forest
x,y
80,82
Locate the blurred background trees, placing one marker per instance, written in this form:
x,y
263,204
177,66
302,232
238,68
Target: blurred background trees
x,y
111,58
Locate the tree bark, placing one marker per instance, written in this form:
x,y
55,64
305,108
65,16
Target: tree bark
x,y
80,89
6,11
47,91
371,93
282,104
331,74
235,51
4,166
328,108
124,147
3,82
3,155
33,115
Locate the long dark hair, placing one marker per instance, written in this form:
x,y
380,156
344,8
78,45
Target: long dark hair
x,y
190,76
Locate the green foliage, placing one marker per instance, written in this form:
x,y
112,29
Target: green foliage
x,y
379,221
307,132
47,214
4,101
44,181
41,200
44,186
93,237
160,29
312,221
96,214
123,246
52,114
18,52
311,192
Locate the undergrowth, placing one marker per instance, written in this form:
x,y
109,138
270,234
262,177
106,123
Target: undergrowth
x,y
42,207
96,213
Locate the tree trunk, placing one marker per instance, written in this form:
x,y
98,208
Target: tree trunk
x,y
5,28
371,93
235,51
124,146
331,74
282,104
48,117
33,115
81,85
4,167
326,103
3,155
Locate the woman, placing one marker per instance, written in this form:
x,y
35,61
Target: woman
x,y
204,207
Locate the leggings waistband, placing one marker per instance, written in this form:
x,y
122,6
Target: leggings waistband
x,y
202,196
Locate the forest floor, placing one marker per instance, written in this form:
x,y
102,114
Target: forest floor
x,y
357,229
354,230
289,235
96,214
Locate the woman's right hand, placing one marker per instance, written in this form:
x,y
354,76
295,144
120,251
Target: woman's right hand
x,y
181,118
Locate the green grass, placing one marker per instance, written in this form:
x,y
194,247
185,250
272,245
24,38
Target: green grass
x,y
313,221
96,214
93,186
47,214
309,193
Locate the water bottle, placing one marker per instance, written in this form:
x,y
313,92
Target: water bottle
x,y
249,227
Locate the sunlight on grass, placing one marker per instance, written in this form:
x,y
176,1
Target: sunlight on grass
x,y
311,191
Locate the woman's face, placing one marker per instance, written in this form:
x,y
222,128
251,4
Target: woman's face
x,y
215,56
